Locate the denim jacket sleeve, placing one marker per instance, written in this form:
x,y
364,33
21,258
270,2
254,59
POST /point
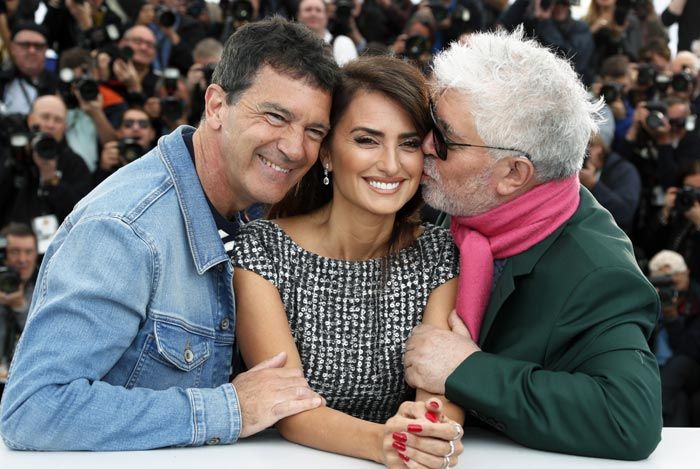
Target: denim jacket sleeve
x,y
84,316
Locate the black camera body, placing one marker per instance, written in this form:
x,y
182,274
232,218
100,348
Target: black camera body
x,y
685,199
171,107
343,10
165,16
416,46
682,81
666,288
9,279
611,91
129,150
241,10
655,119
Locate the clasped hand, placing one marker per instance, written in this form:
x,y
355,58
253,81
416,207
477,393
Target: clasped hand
x,y
421,436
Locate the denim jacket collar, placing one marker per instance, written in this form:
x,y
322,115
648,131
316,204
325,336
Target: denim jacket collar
x,y
203,237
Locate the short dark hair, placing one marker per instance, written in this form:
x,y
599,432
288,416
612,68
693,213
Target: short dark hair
x,y
656,46
615,66
289,48
399,81
19,230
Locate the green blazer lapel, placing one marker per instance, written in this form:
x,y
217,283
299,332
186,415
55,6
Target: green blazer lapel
x,y
520,264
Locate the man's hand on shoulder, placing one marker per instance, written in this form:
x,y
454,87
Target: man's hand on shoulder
x,y
268,392
432,354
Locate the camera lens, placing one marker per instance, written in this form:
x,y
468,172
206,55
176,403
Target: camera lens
x,y
88,89
45,146
167,18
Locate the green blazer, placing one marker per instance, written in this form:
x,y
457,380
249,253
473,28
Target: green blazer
x,y
565,364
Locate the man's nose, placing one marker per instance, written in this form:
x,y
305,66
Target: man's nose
x,y
428,145
292,144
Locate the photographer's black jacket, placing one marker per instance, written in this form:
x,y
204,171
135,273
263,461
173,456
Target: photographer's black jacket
x,y
25,203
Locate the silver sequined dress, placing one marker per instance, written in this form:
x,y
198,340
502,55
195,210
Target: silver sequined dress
x,y
350,319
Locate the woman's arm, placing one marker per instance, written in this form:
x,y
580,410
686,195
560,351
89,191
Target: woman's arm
x,y
262,330
440,303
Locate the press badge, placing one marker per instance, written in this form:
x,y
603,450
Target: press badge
x,y
45,228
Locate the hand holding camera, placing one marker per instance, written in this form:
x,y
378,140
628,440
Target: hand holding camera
x,y
12,299
82,12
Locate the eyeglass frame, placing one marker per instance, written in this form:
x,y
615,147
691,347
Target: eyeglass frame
x,y
129,123
439,136
26,45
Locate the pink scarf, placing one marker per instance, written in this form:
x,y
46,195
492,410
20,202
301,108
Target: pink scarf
x,y
502,232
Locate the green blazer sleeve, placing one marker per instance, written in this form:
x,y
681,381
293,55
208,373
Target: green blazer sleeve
x,y
571,371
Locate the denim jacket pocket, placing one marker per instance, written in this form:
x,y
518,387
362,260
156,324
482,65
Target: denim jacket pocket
x,y
183,349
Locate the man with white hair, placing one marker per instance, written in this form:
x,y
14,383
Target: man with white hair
x,y
554,353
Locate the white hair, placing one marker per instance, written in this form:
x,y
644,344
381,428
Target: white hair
x,y
522,96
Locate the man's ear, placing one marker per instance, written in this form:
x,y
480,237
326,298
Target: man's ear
x,y
514,175
215,107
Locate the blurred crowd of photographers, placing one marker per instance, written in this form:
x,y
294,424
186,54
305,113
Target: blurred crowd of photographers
x,y
88,86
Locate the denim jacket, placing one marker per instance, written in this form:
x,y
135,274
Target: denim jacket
x,y
129,338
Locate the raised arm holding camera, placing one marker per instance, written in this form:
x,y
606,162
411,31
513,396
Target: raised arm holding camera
x,y
45,176
136,136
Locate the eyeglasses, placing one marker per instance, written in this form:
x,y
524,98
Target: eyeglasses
x,y
143,123
443,144
40,46
142,42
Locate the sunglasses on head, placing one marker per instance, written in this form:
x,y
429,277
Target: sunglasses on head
x,y
442,143
143,123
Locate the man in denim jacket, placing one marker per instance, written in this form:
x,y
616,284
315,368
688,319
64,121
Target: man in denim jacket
x,y
130,335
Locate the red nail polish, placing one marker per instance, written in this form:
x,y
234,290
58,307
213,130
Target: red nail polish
x,y
431,416
404,457
415,428
434,404
398,436
399,446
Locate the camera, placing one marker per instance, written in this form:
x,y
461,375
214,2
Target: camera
x,y
655,119
9,279
86,86
241,10
611,92
686,198
646,74
45,146
129,150
682,81
165,16
416,46
171,107
665,287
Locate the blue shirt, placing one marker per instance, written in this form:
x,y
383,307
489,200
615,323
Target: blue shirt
x,y
129,338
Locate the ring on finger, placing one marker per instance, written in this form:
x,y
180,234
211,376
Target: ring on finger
x,y
460,432
452,449
447,463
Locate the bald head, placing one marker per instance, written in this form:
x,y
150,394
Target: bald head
x,y
142,40
49,115
685,59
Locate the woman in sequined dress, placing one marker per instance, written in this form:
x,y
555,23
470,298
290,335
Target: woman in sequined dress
x,y
344,271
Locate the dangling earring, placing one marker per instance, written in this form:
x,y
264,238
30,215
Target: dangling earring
x,y
326,181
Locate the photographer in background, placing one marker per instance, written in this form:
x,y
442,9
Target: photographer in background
x,y
206,55
136,137
677,341
613,181
550,22
416,42
614,87
179,32
85,23
314,15
42,181
684,81
677,225
24,78
86,123
16,284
